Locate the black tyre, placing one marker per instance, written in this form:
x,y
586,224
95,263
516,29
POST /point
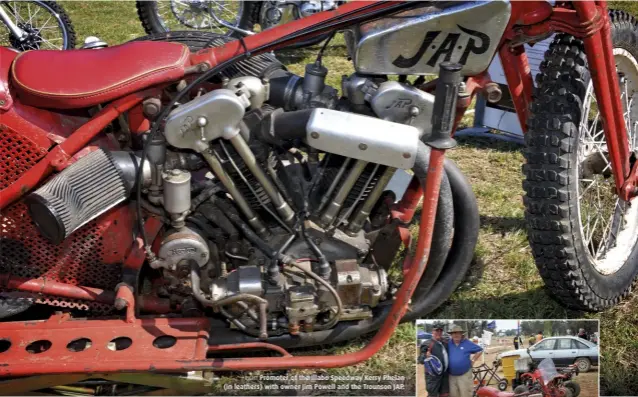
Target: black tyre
x,y
520,389
573,386
583,364
169,15
45,24
583,237
502,385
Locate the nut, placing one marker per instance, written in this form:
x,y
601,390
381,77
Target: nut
x,y
492,92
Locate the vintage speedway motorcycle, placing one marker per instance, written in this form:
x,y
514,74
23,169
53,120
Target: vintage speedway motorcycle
x,y
547,380
167,204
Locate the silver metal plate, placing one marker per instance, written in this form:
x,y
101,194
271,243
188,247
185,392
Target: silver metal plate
x,y
416,41
363,138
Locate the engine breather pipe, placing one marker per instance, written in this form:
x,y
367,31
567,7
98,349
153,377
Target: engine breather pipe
x,y
278,201
362,214
228,183
335,205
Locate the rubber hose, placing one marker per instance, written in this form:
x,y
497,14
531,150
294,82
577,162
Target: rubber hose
x,y
456,265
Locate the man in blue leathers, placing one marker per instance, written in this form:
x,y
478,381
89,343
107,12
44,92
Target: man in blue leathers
x,y
462,354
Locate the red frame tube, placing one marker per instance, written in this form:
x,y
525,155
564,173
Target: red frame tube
x,y
55,288
58,158
249,345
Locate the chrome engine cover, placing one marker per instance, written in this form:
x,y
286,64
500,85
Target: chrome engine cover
x,y
416,41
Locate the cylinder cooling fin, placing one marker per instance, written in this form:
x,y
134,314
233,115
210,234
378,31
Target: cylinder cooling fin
x,y
84,190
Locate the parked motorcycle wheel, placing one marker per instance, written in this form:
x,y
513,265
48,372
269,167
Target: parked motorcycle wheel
x,y
520,389
583,237
45,24
170,15
257,14
573,386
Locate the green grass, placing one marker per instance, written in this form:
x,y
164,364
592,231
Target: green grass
x,y
503,282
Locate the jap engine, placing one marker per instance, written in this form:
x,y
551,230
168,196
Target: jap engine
x,y
273,189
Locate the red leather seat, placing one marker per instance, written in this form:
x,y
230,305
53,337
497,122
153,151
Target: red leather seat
x,y
84,78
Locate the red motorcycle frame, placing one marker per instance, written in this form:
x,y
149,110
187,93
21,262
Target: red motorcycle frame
x,y
529,20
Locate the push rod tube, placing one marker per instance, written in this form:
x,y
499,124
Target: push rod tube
x,y
362,214
335,205
278,201
241,202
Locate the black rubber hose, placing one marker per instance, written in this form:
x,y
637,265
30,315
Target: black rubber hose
x,y
456,266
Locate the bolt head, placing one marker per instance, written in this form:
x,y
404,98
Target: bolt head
x,y
314,135
414,111
202,121
406,155
2,102
363,146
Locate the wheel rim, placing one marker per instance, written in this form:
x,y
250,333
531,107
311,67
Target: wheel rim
x,y
582,365
609,225
44,27
196,14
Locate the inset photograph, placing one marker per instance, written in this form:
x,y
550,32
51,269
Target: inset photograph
x,y
500,358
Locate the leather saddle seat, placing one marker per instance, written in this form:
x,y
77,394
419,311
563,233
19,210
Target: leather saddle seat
x,y
83,78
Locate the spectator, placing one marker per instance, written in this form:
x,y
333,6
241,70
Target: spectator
x,y
539,336
582,334
463,354
531,340
434,358
517,341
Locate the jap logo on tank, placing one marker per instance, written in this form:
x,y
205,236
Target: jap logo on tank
x,y
472,42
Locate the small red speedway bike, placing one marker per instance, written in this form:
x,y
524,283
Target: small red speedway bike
x,y
166,199
544,381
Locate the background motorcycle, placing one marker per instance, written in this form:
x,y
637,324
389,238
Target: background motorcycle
x,y
210,253
233,18
544,381
32,25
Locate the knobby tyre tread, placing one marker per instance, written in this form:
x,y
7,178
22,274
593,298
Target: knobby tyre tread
x,y
551,176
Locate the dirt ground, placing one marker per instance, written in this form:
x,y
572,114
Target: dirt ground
x,y
588,381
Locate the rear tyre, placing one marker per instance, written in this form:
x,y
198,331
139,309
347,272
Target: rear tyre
x,y
521,389
583,237
583,364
